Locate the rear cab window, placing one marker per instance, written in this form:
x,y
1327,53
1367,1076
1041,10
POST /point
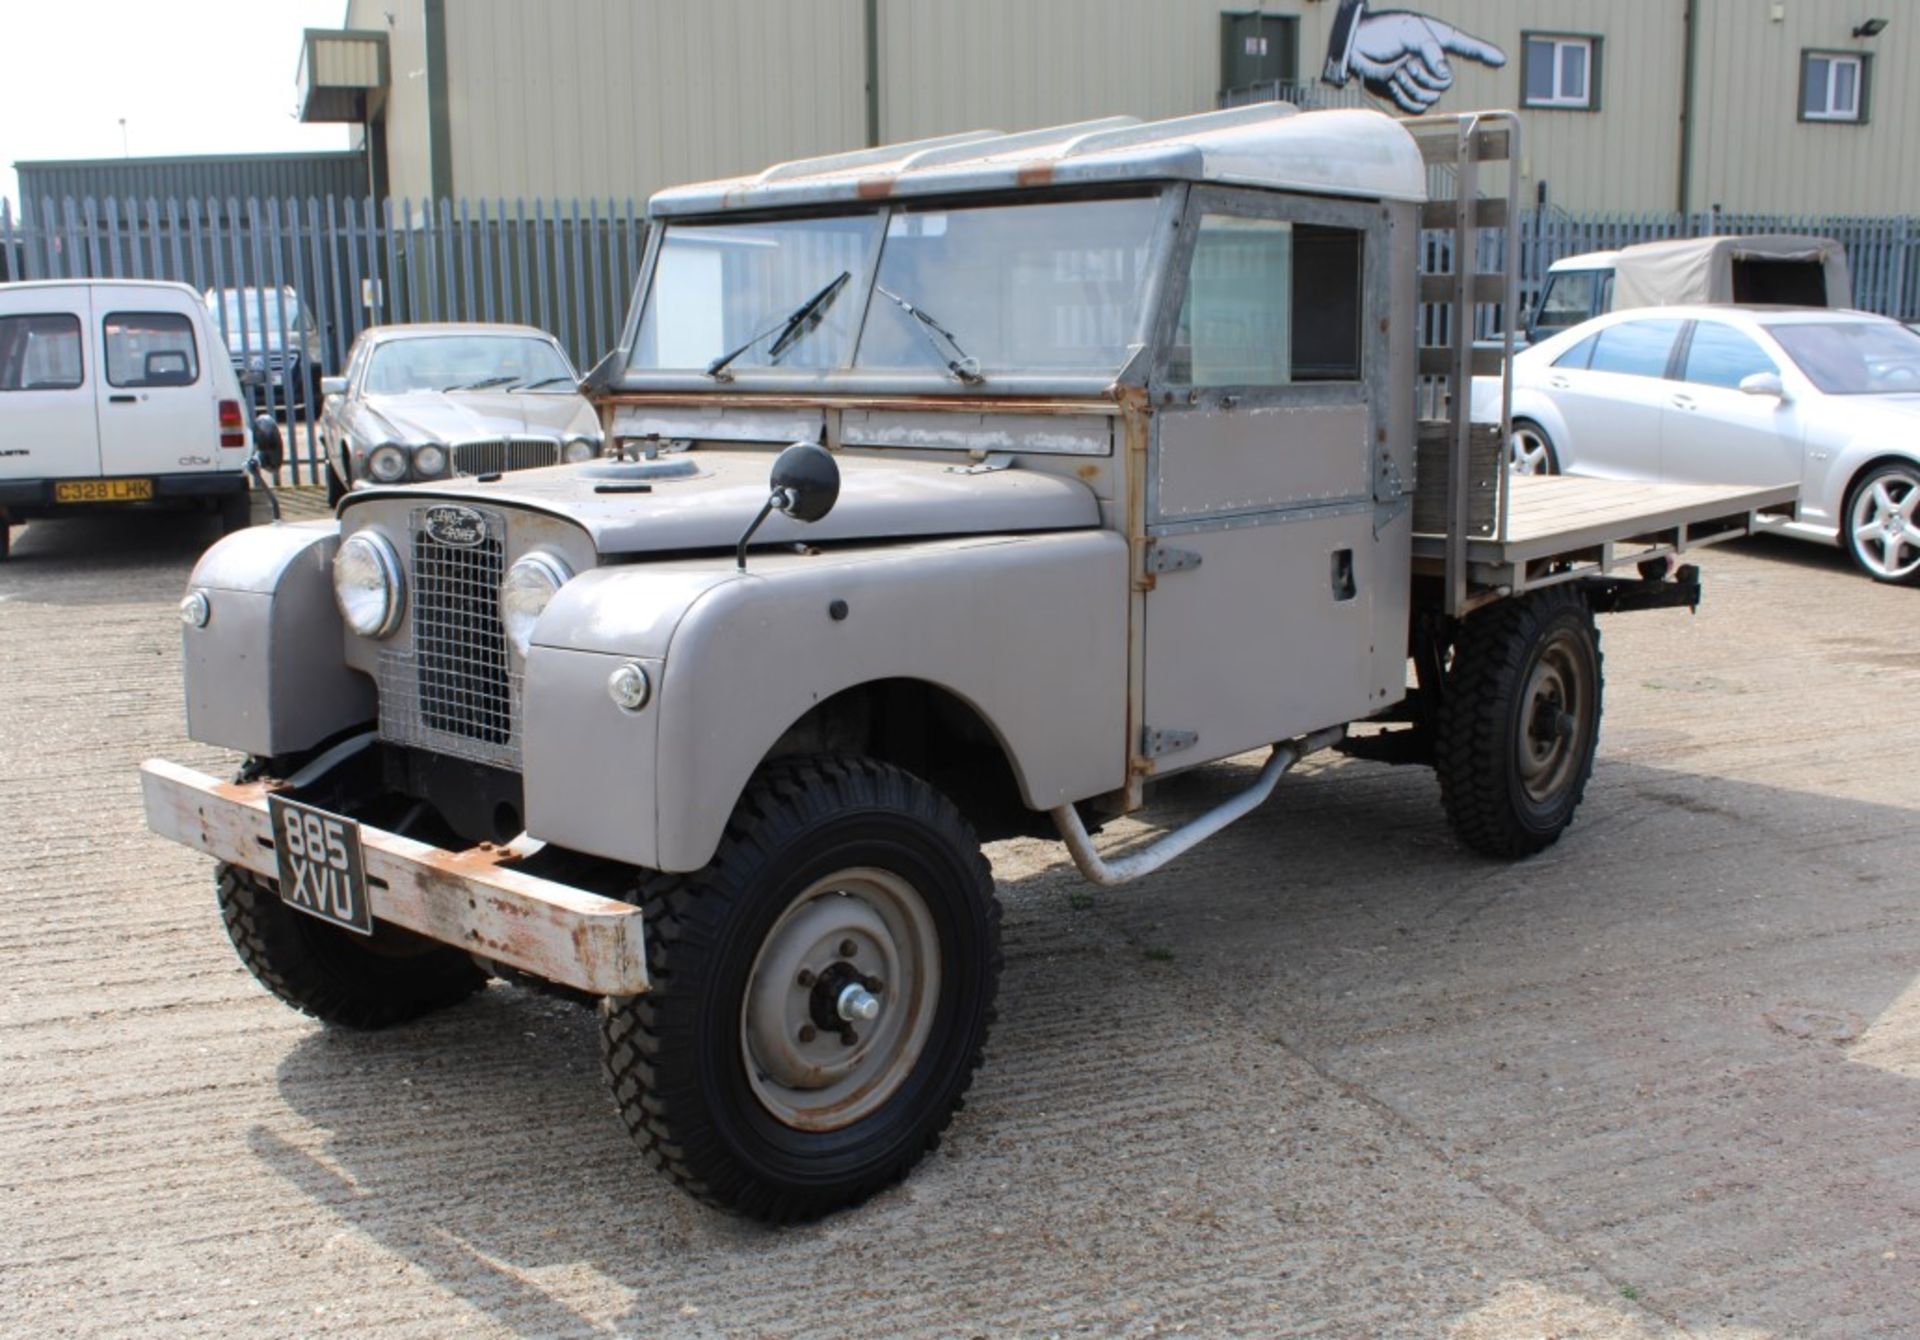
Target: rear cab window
x,y
150,349
40,352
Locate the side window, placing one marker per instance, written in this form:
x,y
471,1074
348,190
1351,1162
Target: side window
x,y
40,353
1579,356
1635,348
1719,355
150,349
1270,303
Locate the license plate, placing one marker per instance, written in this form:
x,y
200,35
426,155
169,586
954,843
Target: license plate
x,y
323,871
103,490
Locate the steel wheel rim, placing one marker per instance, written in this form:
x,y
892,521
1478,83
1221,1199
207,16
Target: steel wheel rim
x,y
1553,719
1528,452
799,1068
1886,533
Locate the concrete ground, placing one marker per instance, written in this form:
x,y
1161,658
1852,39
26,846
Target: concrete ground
x,y
1328,1076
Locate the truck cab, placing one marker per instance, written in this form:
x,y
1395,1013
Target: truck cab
x,y
958,488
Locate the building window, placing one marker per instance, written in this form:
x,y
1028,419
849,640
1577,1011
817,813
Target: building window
x,y
1833,86
1560,70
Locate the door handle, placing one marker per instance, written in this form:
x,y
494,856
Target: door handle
x,y
1558,383
1683,402
123,399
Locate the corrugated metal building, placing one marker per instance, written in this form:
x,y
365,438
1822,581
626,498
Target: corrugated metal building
x,y
214,177
1753,105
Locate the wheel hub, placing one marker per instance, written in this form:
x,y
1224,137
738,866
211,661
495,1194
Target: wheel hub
x,y
1550,744
839,1001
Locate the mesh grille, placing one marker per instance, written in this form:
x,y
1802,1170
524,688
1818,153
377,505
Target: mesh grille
x,y
453,692
517,453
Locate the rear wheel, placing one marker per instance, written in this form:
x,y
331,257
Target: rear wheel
x,y
1518,724
1530,450
335,975
1882,527
821,993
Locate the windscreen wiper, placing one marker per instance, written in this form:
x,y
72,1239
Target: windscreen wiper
x,y
962,366
480,385
799,323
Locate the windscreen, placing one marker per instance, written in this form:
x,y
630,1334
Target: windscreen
x,y
733,288
1041,288
1854,357
463,363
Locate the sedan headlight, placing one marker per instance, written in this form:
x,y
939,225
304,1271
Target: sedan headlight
x,y
388,463
429,460
366,583
529,588
581,449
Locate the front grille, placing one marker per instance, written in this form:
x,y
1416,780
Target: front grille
x,y
512,453
453,692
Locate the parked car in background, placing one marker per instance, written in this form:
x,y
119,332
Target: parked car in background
x,y
1782,268
1828,400
432,401
116,393
273,340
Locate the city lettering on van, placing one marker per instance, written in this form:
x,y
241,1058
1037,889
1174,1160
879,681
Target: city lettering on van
x,y
1400,55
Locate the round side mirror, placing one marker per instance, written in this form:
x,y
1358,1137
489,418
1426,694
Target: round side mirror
x,y
808,478
267,443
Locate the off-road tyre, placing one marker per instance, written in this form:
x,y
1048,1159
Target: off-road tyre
x,y
677,1057
236,511
1509,783
333,974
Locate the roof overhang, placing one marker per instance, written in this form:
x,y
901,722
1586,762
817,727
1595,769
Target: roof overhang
x,y
343,74
1351,153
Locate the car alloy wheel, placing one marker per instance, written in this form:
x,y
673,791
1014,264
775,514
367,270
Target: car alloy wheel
x,y
1529,452
1883,524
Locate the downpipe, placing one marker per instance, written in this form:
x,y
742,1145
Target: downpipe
x,y
1124,869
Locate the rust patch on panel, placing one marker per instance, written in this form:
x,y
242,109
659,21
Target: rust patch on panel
x,y
1035,174
874,188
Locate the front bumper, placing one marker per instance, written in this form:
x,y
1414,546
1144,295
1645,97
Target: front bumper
x,y
472,900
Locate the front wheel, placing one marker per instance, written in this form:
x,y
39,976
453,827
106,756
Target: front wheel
x,y
1518,723
1882,531
335,975
822,993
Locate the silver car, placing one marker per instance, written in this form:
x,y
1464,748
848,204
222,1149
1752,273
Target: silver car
x,y
1827,400
423,402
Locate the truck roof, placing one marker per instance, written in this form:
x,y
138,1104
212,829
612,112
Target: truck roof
x,y
1348,152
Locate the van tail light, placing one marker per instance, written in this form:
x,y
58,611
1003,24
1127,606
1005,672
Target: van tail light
x,y
232,424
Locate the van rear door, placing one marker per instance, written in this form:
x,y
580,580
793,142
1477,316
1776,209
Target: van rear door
x,y
48,427
156,389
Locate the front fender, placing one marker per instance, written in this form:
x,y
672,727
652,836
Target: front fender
x,y
1030,630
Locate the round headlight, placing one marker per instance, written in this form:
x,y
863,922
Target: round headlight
x,y
366,583
429,460
530,586
582,449
195,609
387,464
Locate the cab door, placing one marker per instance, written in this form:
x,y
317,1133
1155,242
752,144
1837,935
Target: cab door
x,y
155,391
1271,571
48,428
1612,390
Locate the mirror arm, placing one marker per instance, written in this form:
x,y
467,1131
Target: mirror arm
x,y
778,499
260,478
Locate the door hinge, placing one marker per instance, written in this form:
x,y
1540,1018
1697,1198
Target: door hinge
x,y
1162,559
1154,743
1390,495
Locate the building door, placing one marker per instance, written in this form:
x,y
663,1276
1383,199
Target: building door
x,y
1258,48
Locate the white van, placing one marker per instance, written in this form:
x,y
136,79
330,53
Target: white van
x,y
116,393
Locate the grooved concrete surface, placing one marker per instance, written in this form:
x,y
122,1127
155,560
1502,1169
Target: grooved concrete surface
x,y
1330,1076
